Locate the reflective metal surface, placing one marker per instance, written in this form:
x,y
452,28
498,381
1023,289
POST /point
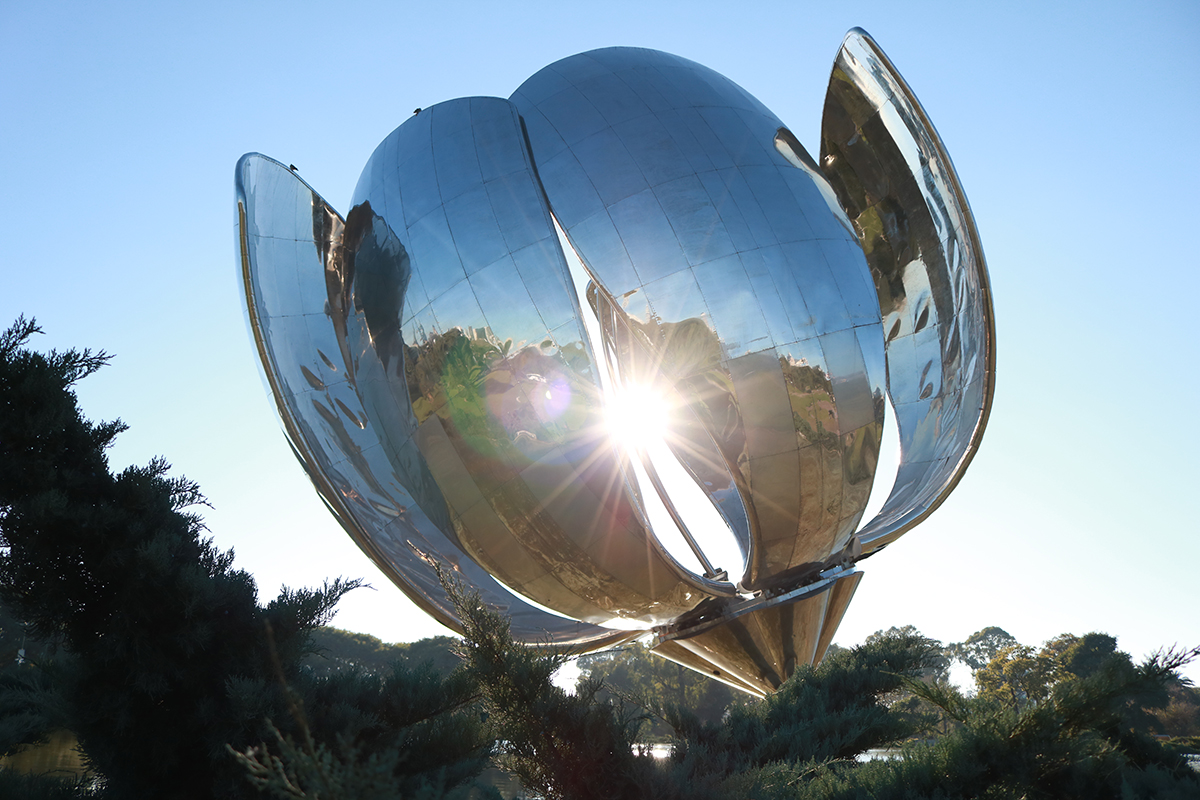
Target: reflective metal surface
x,y
667,182
613,350
347,435
895,179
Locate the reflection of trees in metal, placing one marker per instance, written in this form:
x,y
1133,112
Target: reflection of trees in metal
x,y
695,255
811,395
502,409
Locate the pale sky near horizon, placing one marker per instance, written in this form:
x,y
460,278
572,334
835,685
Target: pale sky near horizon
x,y
1073,129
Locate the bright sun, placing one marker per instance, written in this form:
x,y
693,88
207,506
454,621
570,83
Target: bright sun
x,y
636,416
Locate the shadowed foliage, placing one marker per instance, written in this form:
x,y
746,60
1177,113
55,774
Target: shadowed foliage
x,y
584,746
157,654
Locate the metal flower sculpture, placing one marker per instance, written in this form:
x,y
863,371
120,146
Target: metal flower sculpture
x,y
616,350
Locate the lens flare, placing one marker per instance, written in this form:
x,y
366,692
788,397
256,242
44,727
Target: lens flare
x,y
636,416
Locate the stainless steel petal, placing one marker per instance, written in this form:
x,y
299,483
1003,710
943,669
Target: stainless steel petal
x,y
502,383
894,178
668,182
333,395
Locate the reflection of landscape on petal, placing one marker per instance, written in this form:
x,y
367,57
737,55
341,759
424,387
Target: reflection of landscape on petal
x,y
862,455
806,497
814,413
526,420
493,397
811,396
835,470
534,487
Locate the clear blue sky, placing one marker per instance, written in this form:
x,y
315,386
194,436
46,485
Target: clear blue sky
x,y
1073,130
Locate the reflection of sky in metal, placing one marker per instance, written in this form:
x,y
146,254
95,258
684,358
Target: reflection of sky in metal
x,y
444,356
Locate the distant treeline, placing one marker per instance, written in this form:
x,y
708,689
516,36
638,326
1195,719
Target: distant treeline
x,y
335,650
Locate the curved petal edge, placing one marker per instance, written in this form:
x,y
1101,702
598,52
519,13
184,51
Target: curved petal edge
x,y
896,182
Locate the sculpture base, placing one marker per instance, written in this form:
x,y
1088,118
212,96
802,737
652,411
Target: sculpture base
x,y
758,647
